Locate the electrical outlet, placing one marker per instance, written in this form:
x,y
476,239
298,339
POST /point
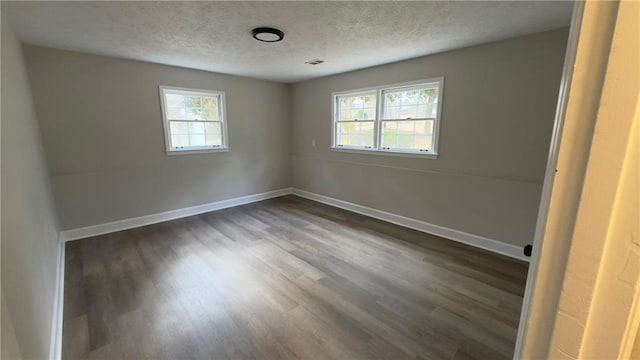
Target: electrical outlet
x,y
313,143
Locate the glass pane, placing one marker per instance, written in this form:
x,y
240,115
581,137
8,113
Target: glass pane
x,y
344,115
197,140
360,107
408,135
194,114
213,140
210,108
389,134
392,112
174,100
432,110
213,134
356,114
210,113
179,127
410,103
180,140
193,101
210,101
211,128
349,127
195,133
175,113
423,142
353,140
357,134
196,128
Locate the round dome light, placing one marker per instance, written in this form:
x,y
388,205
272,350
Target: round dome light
x,y
267,34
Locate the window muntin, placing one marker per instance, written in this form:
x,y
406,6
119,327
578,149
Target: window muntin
x,y
415,102
402,118
194,120
355,123
409,114
407,135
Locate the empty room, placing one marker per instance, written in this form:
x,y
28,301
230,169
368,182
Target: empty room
x,y
320,180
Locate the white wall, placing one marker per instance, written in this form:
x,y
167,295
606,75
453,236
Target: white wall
x,y
30,246
498,109
102,131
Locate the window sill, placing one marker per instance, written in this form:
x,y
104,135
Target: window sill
x,y
199,151
385,153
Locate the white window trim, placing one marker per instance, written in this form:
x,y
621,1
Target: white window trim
x,y
433,154
200,149
411,154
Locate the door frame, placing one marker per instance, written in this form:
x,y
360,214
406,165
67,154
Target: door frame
x,y
586,65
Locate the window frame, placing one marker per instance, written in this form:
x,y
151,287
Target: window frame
x,y
377,140
336,116
224,147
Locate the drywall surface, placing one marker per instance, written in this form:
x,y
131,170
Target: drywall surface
x,y
9,344
635,353
102,131
498,109
596,316
30,247
592,34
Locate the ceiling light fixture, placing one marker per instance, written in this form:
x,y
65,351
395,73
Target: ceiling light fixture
x,y
267,34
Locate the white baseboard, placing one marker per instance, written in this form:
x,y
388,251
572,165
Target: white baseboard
x,y
68,235
55,349
125,224
447,233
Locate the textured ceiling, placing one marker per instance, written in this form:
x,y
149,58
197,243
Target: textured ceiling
x,y
215,36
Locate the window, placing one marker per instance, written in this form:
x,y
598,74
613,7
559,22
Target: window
x,y
401,118
356,119
194,120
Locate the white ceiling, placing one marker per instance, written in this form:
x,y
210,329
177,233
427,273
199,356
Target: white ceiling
x,y
215,36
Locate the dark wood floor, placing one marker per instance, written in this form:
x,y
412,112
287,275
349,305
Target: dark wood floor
x,y
287,278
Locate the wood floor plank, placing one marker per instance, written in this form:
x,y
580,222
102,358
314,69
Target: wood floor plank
x,y
287,278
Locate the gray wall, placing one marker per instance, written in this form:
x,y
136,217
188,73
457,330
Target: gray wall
x,y
498,110
10,348
30,246
102,131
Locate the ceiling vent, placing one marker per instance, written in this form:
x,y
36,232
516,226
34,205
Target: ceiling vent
x,y
314,62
